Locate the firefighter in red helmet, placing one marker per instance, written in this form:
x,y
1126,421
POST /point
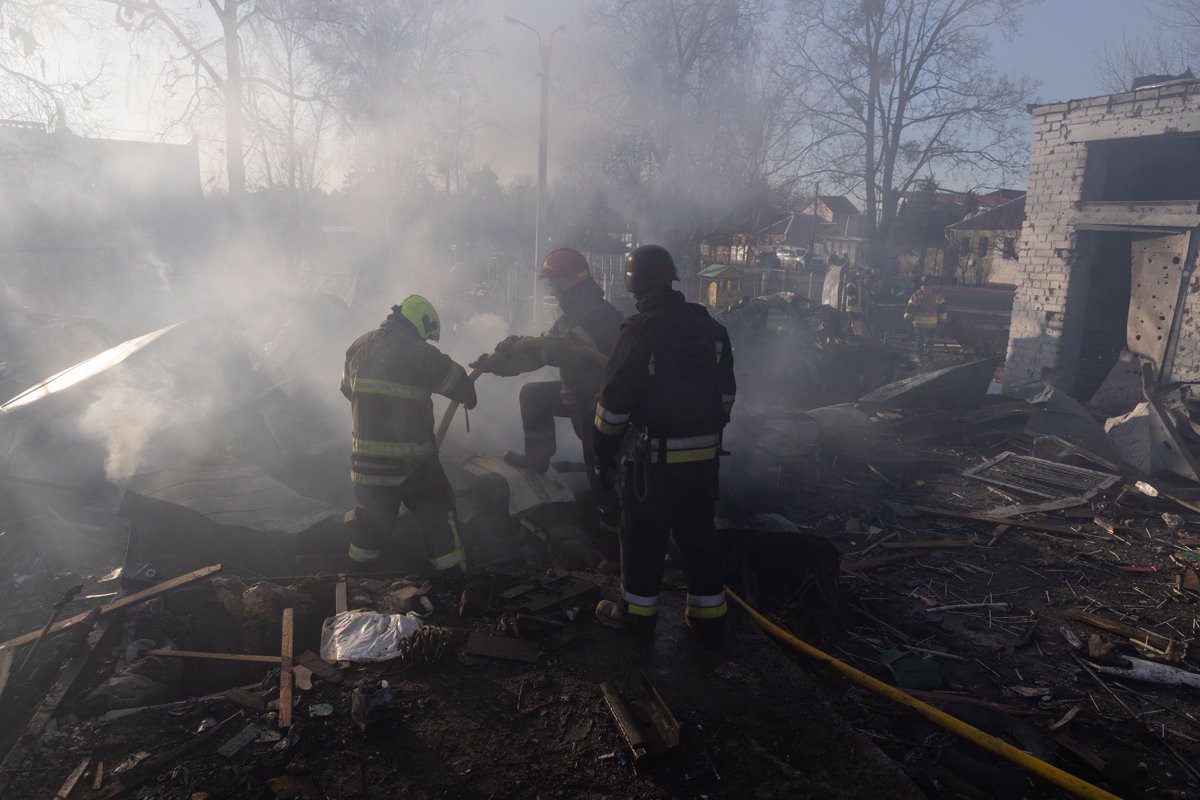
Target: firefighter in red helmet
x,y
588,322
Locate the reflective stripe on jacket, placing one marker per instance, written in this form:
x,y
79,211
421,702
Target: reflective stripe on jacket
x,y
670,375
926,308
390,376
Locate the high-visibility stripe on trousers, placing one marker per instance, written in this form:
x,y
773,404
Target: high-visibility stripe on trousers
x,y
640,605
707,606
364,555
456,557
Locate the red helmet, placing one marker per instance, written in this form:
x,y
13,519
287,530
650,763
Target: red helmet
x,y
564,268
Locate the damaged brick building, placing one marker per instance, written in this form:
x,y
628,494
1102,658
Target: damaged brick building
x,y
1108,254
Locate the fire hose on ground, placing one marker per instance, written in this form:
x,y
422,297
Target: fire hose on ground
x,y
581,350
1049,772
1065,780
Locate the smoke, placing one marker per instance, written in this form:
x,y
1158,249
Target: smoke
x,y
124,420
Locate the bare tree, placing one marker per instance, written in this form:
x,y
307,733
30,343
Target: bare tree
x,y
402,73
682,127
35,86
893,89
290,101
205,62
1140,54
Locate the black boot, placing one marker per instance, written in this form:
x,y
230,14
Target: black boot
x,y
614,615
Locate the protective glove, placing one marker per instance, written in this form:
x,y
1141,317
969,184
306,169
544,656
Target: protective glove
x,y
500,363
567,395
508,342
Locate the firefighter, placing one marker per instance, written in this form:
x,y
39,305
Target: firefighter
x,y
587,319
926,310
390,375
670,378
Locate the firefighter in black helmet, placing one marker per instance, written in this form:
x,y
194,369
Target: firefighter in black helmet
x,y
670,378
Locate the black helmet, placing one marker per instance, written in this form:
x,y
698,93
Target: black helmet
x,y
648,266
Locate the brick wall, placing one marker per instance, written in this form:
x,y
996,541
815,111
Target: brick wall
x,y
1061,132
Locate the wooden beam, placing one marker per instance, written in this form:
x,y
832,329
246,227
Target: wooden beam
x,y
6,661
340,602
285,672
116,605
51,700
1045,527
1157,641
69,784
214,656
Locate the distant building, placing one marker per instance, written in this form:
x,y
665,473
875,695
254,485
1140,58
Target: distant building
x,y
82,221
844,229
987,244
967,199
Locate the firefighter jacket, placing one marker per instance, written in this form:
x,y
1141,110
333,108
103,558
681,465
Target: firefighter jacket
x,y
926,308
671,377
588,319
390,376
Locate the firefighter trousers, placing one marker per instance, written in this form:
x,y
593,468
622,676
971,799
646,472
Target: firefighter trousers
x,y
542,403
671,500
427,494
925,337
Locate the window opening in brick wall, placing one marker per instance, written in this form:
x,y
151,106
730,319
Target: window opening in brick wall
x,y
982,244
1145,169
1008,248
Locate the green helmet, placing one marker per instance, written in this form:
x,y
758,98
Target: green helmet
x,y
421,313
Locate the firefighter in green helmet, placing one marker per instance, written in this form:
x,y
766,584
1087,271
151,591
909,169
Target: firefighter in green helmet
x,y
390,376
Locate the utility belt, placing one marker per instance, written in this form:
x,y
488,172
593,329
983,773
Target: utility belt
x,y
677,449
649,449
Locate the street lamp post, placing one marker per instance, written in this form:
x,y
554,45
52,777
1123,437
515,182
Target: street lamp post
x,y
544,52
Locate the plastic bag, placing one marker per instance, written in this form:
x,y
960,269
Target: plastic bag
x,y
364,636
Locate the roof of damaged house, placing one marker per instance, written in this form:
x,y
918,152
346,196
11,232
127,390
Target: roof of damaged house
x,y
1008,217
944,198
839,205
1169,88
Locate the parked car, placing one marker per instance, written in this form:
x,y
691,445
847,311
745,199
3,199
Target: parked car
x,y
797,257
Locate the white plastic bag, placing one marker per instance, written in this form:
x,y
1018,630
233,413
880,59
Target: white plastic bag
x,y
363,636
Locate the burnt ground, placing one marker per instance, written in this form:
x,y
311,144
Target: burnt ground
x,y
753,725
757,719
1019,659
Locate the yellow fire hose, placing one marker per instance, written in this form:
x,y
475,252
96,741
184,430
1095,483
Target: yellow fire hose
x,y
1064,780
581,350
